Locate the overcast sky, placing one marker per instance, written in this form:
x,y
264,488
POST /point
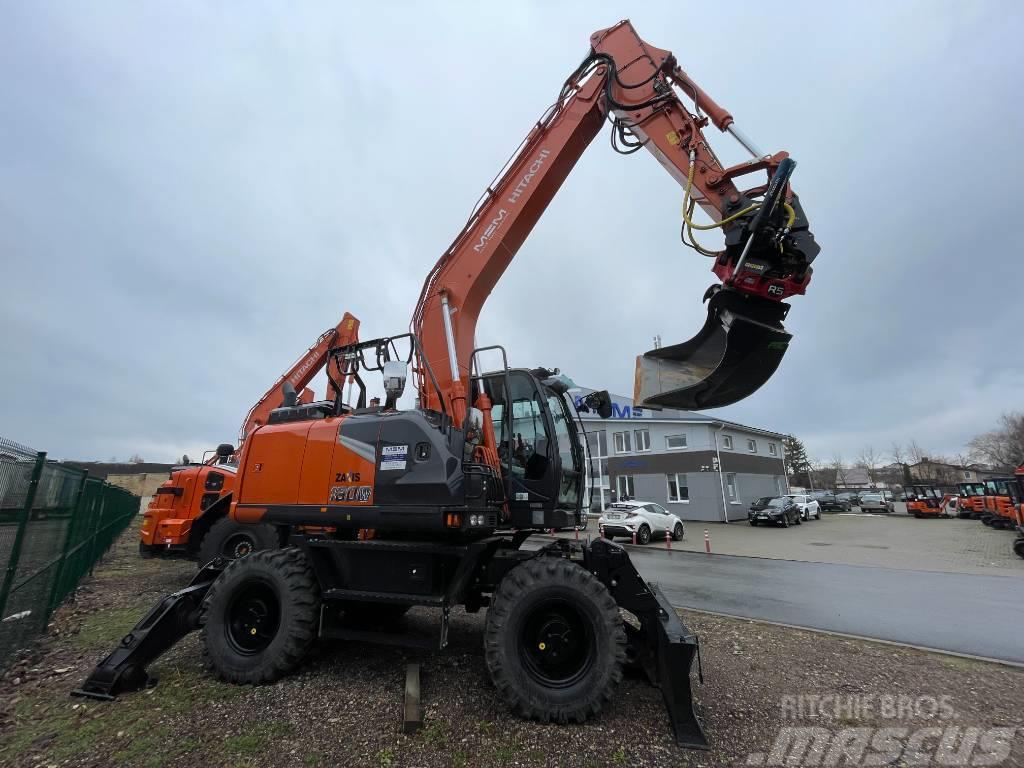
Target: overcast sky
x,y
191,192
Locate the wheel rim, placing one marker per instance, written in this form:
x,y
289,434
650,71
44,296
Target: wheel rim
x,y
238,545
253,618
556,645
644,535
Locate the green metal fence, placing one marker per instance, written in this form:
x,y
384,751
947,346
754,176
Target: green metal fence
x,y
55,523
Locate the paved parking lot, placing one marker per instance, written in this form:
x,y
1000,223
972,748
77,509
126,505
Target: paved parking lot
x,y
889,541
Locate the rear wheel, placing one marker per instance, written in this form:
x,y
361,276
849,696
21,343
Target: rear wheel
x,y
1018,547
643,535
554,641
260,617
677,532
785,521
799,520
231,540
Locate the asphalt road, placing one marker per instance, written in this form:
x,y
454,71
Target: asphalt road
x,y
964,613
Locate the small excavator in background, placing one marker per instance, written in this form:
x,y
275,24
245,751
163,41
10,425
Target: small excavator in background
x,y
998,506
972,500
454,487
1018,543
928,501
188,515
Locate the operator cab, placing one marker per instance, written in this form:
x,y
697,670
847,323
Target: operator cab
x,y
538,445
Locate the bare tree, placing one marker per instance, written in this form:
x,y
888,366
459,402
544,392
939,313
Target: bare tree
x,y
1003,446
839,467
916,452
136,459
868,459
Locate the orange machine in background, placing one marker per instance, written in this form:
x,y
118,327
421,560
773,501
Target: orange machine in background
x,y
189,513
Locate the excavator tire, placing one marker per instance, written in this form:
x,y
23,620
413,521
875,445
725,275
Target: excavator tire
x,y
231,540
554,641
260,617
1018,547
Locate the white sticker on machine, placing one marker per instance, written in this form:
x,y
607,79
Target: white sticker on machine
x,y
393,456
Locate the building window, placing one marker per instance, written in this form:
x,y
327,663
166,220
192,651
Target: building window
x,y
752,446
622,442
624,486
678,490
968,475
730,484
772,449
643,439
675,442
726,442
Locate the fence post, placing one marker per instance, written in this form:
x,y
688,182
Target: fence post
x,y
72,519
19,537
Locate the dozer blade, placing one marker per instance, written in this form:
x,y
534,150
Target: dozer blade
x,y
170,620
738,349
662,645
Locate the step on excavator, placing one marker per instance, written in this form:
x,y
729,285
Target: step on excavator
x,y
188,515
453,488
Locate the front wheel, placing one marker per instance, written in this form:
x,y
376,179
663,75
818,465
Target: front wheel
x,y
554,641
677,532
260,617
643,536
1018,547
754,523
785,521
799,520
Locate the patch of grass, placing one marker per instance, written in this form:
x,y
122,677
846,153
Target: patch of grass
x,y
105,628
459,760
619,756
385,758
62,728
312,760
256,740
435,733
503,755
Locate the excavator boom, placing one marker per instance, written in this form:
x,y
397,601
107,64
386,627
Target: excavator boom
x,y
303,371
768,246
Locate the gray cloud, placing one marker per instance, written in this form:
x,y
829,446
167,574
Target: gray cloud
x,y
190,194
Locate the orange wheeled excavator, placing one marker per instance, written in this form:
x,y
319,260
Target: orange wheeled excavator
x,y
189,512
454,487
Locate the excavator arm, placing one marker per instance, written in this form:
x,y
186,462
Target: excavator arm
x,y
303,372
766,257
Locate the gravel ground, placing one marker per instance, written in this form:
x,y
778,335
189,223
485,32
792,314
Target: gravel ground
x,y
345,706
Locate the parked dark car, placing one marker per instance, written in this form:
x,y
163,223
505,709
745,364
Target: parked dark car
x,y
851,497
830,502
781,510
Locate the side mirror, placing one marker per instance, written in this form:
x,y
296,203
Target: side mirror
x,y
225,449
599,402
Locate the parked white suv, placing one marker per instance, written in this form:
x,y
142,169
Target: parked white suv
x,y
809,507
645,518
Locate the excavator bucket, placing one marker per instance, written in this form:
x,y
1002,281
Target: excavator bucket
x,y
738,349
173,617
